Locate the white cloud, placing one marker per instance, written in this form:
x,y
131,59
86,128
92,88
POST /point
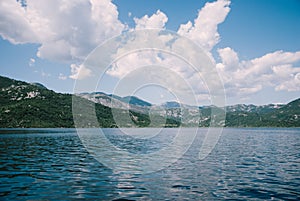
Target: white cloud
x,y
157,21
278,69
289,77
204,29
14,24
31,62
79,72
66,30
180,78
62,76
229,58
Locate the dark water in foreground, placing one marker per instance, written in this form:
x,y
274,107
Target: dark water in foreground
x,y
246,164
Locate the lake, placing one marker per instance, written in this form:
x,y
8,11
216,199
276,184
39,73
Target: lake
x,y
246,164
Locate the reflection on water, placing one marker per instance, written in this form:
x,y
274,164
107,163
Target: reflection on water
x,y
246,164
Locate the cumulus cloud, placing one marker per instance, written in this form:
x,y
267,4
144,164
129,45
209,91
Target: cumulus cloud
x,y
146,60
14,23
204,29
277,69
66,30
132,62
229,58
157,21
79,72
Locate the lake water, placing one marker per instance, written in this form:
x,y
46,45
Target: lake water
x,y
246,164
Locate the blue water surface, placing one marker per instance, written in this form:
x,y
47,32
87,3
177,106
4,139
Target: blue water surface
x,y
246,164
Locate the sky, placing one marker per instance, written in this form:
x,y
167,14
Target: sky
x,y
253,44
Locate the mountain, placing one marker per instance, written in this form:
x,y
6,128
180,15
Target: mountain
x,y
132,100
33,105
38,85
265,116
171,104
27,105
113,101
253,108
104,99
240,115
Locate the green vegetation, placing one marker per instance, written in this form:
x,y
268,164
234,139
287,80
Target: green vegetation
x,y
285,116
24,105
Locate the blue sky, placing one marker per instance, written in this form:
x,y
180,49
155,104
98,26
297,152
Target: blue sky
x,y
257,52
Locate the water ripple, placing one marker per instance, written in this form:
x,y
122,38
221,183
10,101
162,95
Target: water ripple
x,y
247,164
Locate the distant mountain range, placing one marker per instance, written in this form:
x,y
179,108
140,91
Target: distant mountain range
x,y
33,105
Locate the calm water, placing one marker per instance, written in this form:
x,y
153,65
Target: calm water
x,y
246,164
